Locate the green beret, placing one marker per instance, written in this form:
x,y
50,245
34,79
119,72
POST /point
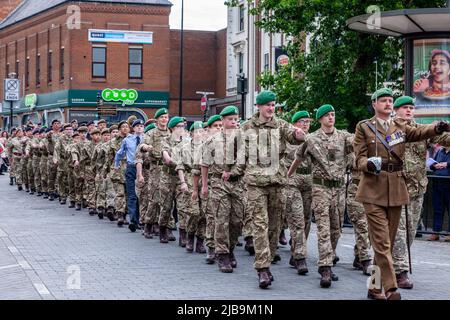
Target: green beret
x,y
196,125
229,111
121,123
160,112
213,119
403,101
174,121
149,127
323,110
299,115
383,92
265,97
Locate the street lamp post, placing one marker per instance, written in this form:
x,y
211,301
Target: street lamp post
x,y
180,102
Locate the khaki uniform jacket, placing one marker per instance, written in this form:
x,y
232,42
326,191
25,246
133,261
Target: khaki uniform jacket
x,y
388,189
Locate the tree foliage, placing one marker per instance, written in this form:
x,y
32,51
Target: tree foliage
x,y
339,67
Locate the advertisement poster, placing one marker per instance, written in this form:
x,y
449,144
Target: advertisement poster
x,y
431,86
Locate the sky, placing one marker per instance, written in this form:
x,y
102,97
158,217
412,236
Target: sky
x,y
199,15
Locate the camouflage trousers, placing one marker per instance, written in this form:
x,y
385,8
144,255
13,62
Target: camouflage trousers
x,y
400,249
196,221
142,194
12,169
246,219
208,206
89,187
100,191
296,221
229,210
16,169
355,211
266,204
30,173
169,189
153,208
44,174
76,184
24,168
328,206
120,203
63,180
37,173
52,172
306,192
185,205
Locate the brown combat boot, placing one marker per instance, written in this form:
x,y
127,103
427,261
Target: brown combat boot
x,y
365,267
249,245
199,247
223,260
190,242
163,235
393,295
211,256
148,231
375,294
403,281
302,268
325,281
182,239
264,278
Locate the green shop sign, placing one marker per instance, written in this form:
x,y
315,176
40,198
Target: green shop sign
x,y
31,100
127,96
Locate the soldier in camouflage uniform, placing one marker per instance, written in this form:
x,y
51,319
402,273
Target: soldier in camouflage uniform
x,y
294,198
61,159
12,174
265,177
25,158
220,160
75,176
214,126
52,169
15,150
109,185
43,163
29,155
118,176
328,149
416,182
87,150
98,160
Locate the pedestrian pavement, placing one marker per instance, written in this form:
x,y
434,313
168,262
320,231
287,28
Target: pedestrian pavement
x,y
48,251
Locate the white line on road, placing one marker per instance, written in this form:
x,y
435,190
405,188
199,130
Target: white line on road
x,y
10,266
41,288
435,264
13,249
25,265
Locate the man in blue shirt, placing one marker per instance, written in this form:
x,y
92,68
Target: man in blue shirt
x,y
441,192
128,149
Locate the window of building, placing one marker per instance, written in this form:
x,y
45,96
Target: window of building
x,y
240,62
266,61
99,62
17,68
61,64
241,17
27,73
49,67
38,70
135,63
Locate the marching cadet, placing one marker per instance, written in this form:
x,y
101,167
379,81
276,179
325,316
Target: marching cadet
x,y
61,159
86,151
296,187
15,147
213,126
416,182
219,164
380,148
43,162
328,149
264,179
109,187
153,143
101,125
52,138
75,175
118,176
97,161
143,165
8,146
25,158
196,221
29,150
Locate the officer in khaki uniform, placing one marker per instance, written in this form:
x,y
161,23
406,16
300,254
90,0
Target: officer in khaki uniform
x,y
382,188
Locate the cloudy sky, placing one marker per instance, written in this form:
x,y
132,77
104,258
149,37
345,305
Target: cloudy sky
x,y
199,14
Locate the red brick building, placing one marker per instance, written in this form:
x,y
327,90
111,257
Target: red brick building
x,y
67,53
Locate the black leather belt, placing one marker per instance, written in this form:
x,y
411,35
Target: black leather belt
x,y
328,183
391,167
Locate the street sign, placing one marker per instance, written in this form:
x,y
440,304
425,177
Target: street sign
x,y
12,89
203,103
